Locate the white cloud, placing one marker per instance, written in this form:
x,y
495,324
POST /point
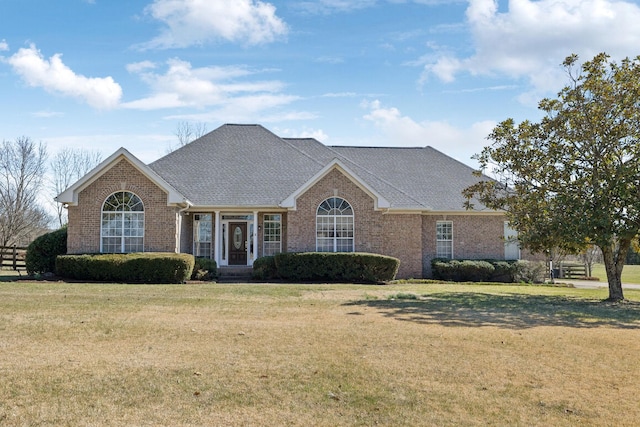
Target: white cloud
x,y
181,85
401,130
332,6
193,22
330,59
446,68
226,93
339,95
54,76
140,67
317,134
47,114
4,46
532,38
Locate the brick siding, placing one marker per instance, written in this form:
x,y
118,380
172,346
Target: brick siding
x,y
474,237
393,235
85,218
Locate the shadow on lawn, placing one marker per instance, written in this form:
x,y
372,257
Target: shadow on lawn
x,y
512,311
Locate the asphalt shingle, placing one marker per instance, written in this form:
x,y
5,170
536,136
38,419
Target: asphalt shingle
x,y
249,166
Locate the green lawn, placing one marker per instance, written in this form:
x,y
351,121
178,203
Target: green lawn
x,y
630,273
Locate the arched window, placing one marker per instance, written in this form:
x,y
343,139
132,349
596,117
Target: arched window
x,y
122,227
334,226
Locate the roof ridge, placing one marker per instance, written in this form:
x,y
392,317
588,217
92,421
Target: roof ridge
x,y
380,147
285,140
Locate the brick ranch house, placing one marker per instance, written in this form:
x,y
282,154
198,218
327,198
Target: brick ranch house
x,y
241,192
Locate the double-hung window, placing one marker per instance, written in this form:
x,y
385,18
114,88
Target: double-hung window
x,y
444,239
272,234
202,235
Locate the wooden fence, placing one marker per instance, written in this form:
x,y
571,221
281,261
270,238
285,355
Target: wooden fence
x,y
13,257
572,271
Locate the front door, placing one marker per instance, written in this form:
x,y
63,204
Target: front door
x,y
237,243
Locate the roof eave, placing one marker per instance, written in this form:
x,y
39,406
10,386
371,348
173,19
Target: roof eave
x,y
70,195
380,202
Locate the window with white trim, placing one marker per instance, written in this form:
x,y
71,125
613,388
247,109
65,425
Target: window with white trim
x,y
272,234
122,225
444,239
334,226
202,235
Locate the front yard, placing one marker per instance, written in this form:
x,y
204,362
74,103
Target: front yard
x,y
328,355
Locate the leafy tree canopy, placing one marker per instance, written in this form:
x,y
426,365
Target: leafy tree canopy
x,y
573,178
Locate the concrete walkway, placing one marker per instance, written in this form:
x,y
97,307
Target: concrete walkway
x,y
592,284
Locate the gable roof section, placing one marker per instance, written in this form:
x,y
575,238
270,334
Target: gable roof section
x,y
238,166
365,174
424,175
379,201
70,195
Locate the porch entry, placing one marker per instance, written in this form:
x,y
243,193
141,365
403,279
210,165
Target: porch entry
x,y
237,237
238,243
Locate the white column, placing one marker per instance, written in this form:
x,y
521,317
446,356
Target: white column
x,y
217,246
178,247
255,236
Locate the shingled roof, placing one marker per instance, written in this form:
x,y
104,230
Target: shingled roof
x,y
249,166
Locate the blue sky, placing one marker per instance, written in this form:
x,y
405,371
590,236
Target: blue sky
x,y
101,74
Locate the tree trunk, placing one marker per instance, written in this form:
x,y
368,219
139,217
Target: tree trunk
x,y
614,258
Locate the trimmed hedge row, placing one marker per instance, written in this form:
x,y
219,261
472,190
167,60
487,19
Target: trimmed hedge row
x,y
144,267
327,266
204,269
475,270
264,268
42,252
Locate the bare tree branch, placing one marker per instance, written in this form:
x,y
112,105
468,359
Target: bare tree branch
x,y
188,132
68,166
22,167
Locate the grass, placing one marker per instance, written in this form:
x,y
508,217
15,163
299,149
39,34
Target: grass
x,y
324,355
630,273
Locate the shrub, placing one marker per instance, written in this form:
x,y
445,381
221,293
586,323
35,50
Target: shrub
x,y
504,271
462,270
264,268
147,267
42,252
475,270
204,269
336,267
530,272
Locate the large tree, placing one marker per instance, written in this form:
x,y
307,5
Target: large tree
x,y
22,167
573,178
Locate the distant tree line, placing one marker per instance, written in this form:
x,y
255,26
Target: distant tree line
x,y
29,183
28,180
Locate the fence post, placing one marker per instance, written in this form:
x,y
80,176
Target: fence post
x,y
15,258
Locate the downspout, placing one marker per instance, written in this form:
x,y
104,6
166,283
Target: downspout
x,y
181,211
